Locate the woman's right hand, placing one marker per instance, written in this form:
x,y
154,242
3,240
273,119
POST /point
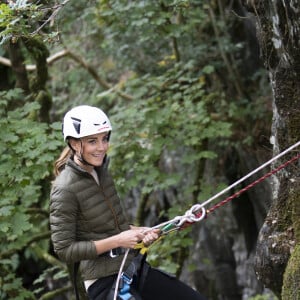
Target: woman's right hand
x,y
129,238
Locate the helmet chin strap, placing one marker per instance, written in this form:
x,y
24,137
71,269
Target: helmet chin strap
x,y
80,155
81,158
83,161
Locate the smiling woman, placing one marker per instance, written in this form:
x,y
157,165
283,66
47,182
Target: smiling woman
x,y
90,151
87,131
87,222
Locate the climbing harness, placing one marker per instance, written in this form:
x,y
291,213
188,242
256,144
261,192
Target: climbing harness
x,y
137,268
117,283
195,214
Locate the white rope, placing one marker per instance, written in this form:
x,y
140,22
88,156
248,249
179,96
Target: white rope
x,y
120,273
190,216
251,173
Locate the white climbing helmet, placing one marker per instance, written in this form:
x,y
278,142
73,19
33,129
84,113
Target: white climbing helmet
x,y
85,120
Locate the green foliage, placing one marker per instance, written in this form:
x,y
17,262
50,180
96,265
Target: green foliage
x,y
18,19
174,117
263,297
28,148
55,273
27,19
141,34
12,287
160,136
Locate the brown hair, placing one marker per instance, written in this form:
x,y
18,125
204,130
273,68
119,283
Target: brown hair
x,y
60,163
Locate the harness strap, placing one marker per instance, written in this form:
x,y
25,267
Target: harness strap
x,y
114,252
138,270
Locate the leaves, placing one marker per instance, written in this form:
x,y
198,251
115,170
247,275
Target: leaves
x,y
23,18
28,148
182,111
163,127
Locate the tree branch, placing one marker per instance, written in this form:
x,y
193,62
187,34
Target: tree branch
x,y
48,257
50,60
91,70
228,64
37,210
57,8
5,61
57,292
95,75
35,238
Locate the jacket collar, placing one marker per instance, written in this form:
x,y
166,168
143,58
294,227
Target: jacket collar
x,y
71,163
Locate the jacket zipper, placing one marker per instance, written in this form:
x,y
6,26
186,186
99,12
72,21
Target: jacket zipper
x,y
110,207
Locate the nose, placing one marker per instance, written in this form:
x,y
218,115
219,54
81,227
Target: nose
x,y
102,145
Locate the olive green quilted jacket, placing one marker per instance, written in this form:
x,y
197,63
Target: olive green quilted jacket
x,y
81,211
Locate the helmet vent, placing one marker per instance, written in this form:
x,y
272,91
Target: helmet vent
x,y
76,124
97,124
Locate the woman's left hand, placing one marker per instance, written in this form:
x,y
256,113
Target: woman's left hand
x,y
151,236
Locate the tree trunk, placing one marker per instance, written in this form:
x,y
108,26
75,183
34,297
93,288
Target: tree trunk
x,y
278,250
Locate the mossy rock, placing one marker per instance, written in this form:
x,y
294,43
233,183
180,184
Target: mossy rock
x,y
291,280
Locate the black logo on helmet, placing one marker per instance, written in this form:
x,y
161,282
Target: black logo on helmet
x,y
100,124
76,124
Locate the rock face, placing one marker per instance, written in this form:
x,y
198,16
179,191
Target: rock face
x,y
278,26
277,249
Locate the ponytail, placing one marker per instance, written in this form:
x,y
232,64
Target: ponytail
x,y
60,163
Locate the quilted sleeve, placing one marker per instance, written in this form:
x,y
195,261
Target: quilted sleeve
x,y
63,215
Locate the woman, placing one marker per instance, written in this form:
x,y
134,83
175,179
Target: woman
x,y
86,218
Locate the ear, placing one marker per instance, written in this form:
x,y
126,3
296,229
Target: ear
x,y
75,144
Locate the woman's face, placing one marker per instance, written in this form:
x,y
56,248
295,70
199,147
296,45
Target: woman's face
x,y
92,149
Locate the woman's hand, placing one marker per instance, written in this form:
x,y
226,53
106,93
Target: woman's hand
x,y
129,238
151,235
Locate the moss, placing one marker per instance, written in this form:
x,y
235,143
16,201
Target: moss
x,y
291,279
45,100
284,207
294,121
295,196
39,52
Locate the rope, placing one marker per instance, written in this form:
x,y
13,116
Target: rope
x,y
120,274
251,173
249,186
191,215
198,212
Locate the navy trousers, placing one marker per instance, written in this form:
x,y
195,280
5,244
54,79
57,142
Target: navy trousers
x,y
158,285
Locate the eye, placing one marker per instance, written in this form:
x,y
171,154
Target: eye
x,y
92,141
105,138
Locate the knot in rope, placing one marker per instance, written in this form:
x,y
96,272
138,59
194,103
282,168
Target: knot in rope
x,y
195,214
